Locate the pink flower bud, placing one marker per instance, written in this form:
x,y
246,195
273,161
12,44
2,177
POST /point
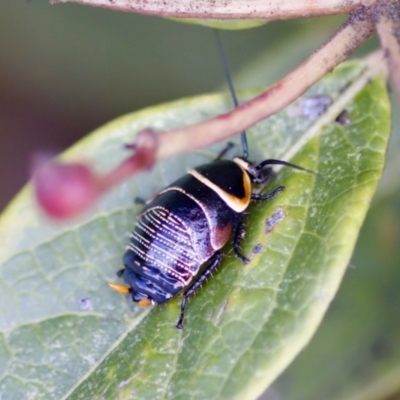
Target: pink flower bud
x,y
64,190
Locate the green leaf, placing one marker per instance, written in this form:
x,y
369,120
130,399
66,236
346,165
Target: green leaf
x,y
362,326
65,334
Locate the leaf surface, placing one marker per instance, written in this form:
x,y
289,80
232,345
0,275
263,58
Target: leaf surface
x,y
65,334
356,351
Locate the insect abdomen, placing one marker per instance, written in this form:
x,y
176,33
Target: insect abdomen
x,y
161,255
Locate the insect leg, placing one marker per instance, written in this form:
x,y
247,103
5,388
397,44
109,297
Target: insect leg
x,y
269,196
139,201
228,146
214,262
120,272
239,234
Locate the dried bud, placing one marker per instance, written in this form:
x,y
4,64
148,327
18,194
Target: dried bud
x,y
64,190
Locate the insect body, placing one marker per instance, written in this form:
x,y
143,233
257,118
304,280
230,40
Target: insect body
x,y
176,243
186,225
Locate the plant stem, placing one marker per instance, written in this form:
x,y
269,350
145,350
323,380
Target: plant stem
x,y
234,9
349,36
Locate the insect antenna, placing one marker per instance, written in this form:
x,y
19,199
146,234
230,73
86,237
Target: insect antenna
x,y
228,78
280,162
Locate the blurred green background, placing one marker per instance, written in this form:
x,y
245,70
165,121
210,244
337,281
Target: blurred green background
x,y
67,69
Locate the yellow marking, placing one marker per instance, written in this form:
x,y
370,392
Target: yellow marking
x,y
242,164
144,302
119,288
237,204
